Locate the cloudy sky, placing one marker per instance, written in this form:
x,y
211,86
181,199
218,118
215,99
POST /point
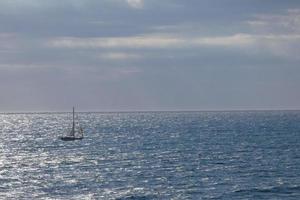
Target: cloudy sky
x,y
110,55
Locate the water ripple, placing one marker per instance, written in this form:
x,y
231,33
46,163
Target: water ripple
x,y
155,155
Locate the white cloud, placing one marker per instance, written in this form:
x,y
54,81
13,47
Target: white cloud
x,y
116,42
285,45
275,34
119,56
155,41
233,40
288,22
135,3
279,33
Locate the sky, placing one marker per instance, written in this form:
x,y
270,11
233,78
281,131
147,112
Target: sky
x,y
147,55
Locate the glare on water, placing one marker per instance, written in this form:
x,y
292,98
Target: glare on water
x,y
155,155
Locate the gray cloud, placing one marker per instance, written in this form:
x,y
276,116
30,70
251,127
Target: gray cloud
x,y
150,54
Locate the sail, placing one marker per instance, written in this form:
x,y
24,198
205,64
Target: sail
x,y
73,125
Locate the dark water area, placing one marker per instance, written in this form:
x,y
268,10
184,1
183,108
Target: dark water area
x,y
152,155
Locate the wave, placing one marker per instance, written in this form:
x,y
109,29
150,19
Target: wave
x,y
137,197
275,190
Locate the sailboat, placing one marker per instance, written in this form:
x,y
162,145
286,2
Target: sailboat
x,y
74,134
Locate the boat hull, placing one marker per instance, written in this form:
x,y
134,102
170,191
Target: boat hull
x,y
70,138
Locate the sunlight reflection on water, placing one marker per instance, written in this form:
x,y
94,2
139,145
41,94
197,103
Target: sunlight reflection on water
x,y
161,155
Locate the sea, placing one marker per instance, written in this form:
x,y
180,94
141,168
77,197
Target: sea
x,y
151,155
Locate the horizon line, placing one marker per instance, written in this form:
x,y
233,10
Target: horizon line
x,y
148,111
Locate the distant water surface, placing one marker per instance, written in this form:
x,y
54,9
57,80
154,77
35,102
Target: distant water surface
x,y
152,155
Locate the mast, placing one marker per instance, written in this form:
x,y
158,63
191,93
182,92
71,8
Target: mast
x,y
73,127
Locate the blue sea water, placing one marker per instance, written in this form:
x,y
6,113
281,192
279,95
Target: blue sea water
x,y
152,155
